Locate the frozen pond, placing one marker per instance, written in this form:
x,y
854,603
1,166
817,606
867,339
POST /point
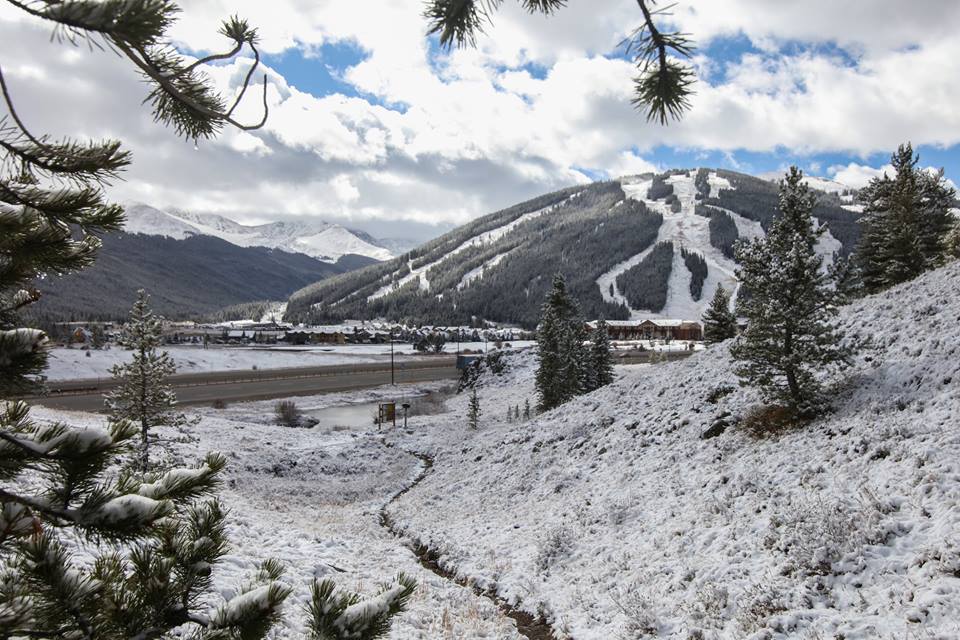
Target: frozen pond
x,y
350,416
362,415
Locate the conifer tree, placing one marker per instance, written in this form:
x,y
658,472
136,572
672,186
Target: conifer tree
x,y
790,335
526,409
719,322
473,410
953,241
143,395
601,361
560,375
905,223
151,539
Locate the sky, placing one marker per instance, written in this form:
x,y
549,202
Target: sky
x,y
372,125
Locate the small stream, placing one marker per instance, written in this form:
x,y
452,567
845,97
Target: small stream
x,y
533,628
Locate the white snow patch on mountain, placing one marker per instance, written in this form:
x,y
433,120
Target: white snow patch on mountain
x,y
687,230
684,229
478,240
315,238
477,273
717,183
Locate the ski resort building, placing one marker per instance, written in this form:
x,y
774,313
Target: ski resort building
x,y
652,329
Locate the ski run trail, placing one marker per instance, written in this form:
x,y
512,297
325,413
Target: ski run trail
x,y
641,510
686,229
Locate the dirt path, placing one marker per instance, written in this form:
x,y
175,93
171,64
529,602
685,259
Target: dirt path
x,y
533,628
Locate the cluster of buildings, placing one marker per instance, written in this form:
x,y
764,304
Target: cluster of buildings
x,y
250,332
652,329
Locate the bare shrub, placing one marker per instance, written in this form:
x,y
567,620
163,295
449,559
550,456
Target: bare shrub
x,y
769,421
617,511
555,545
756,606
287,413
219,404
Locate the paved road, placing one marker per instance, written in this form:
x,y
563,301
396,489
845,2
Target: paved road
x,y
199,389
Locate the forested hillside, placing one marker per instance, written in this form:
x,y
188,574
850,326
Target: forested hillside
x,y
642,246
185,278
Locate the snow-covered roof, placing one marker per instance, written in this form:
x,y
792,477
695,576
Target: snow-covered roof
x,y
660,322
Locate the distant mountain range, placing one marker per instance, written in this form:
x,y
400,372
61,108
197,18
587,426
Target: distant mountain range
x,y
321,240
186,278
642,246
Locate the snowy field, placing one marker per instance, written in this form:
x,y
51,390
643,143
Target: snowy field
x,y
311,498
70,364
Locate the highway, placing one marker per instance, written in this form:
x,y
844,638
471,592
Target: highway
x,y
240,386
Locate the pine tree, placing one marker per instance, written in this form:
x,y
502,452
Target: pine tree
x,y
601,361
719,322
905,223
526,409
953,241
143,395
560,375
150,540
790,336
473,410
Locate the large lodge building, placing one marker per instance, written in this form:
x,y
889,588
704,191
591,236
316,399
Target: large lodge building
x,y
649,329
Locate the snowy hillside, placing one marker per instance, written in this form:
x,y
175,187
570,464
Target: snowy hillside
x,y
618,517
315,238
649,246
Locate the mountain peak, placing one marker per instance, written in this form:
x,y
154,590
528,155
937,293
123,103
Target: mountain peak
x,y
316,238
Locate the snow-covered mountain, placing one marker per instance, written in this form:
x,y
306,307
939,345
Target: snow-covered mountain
x,y
643,246
322,240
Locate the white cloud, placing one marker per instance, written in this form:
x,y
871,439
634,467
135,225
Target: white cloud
x,y
478,130
858,175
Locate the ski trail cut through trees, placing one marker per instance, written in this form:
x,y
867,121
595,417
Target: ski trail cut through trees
x,y
528,626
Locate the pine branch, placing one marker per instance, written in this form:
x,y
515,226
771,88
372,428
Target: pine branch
x,y
663,86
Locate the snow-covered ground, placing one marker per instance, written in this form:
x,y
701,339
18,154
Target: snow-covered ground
x,y
311,498
69,364
615,517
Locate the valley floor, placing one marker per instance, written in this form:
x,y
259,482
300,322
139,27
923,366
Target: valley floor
x,y
311,498
615,518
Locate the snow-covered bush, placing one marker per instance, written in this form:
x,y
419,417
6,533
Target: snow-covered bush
x,y
756,605
818,533
556,544
639,612
709,606
493,363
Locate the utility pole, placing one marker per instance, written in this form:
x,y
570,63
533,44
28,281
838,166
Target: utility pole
x,y
391,359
